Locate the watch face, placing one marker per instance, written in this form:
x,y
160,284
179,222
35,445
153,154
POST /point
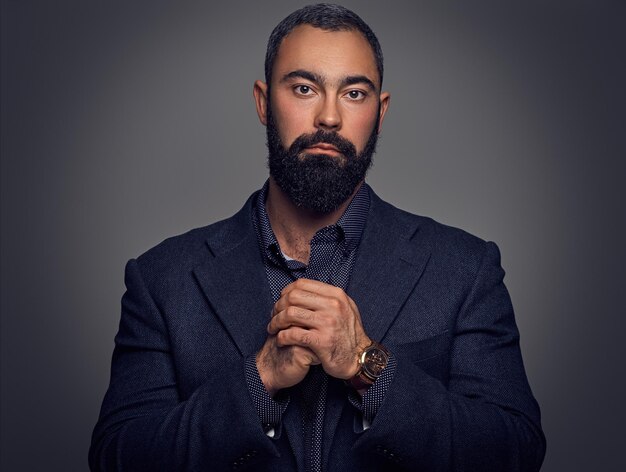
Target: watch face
x,y
375,361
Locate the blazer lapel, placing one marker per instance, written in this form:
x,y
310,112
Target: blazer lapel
x,y
235,283
392,256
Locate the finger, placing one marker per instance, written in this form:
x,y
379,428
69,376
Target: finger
x,y
308,357
354,307
296,336
294,316
300,298
314,286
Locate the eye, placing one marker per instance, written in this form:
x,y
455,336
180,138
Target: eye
x,y
303,90
356,95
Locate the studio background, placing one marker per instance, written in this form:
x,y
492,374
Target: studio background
x,y
125,122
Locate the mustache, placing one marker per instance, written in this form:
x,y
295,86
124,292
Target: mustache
x,y
343,145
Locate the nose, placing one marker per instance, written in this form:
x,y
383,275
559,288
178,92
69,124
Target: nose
x,y
329,115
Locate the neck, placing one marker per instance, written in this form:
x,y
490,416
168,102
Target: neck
x,y
295,227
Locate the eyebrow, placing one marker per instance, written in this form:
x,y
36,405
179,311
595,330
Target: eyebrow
x,y
319,79
358,79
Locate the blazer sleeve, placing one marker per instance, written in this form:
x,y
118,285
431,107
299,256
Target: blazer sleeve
x,y
485,417
145,425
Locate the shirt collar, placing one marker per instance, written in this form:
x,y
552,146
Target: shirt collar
x,y
351,223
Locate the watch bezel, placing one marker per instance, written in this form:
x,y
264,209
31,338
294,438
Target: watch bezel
x,y
370,367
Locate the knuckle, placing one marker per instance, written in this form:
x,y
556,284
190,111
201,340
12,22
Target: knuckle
x,y
335,304
305,339
294,312
300,356
303,314
281,337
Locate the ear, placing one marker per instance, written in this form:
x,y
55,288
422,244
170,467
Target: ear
x,y
260,99
385,98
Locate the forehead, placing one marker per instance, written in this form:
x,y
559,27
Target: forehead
x,y
332,54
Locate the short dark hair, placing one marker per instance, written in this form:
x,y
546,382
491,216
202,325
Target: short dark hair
x,y
325,16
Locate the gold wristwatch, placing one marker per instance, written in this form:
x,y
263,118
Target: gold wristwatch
x,y
372,361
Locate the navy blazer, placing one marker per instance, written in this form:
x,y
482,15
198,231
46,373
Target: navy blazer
x,y
197,304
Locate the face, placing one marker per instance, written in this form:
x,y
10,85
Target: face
x,y
323,112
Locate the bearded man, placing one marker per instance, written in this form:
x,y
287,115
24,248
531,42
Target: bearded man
x,y
319,328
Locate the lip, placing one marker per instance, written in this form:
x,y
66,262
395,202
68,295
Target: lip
x,y
323,148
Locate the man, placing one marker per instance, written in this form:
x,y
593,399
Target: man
x,y
319,328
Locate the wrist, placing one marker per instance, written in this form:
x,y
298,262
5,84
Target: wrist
x,y
266,378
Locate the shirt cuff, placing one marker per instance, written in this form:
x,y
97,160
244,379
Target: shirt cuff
x,y
373,397
270,409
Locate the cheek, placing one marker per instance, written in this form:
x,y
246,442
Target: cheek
x,y
361,127
292,121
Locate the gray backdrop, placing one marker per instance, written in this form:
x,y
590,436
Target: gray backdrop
x,y
126,122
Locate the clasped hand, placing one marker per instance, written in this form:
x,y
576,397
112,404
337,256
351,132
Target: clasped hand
x,y
312,323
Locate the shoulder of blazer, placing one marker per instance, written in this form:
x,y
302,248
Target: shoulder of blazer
x,y
183,252
449,245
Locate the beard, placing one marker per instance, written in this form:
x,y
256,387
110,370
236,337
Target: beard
x,y
317,182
